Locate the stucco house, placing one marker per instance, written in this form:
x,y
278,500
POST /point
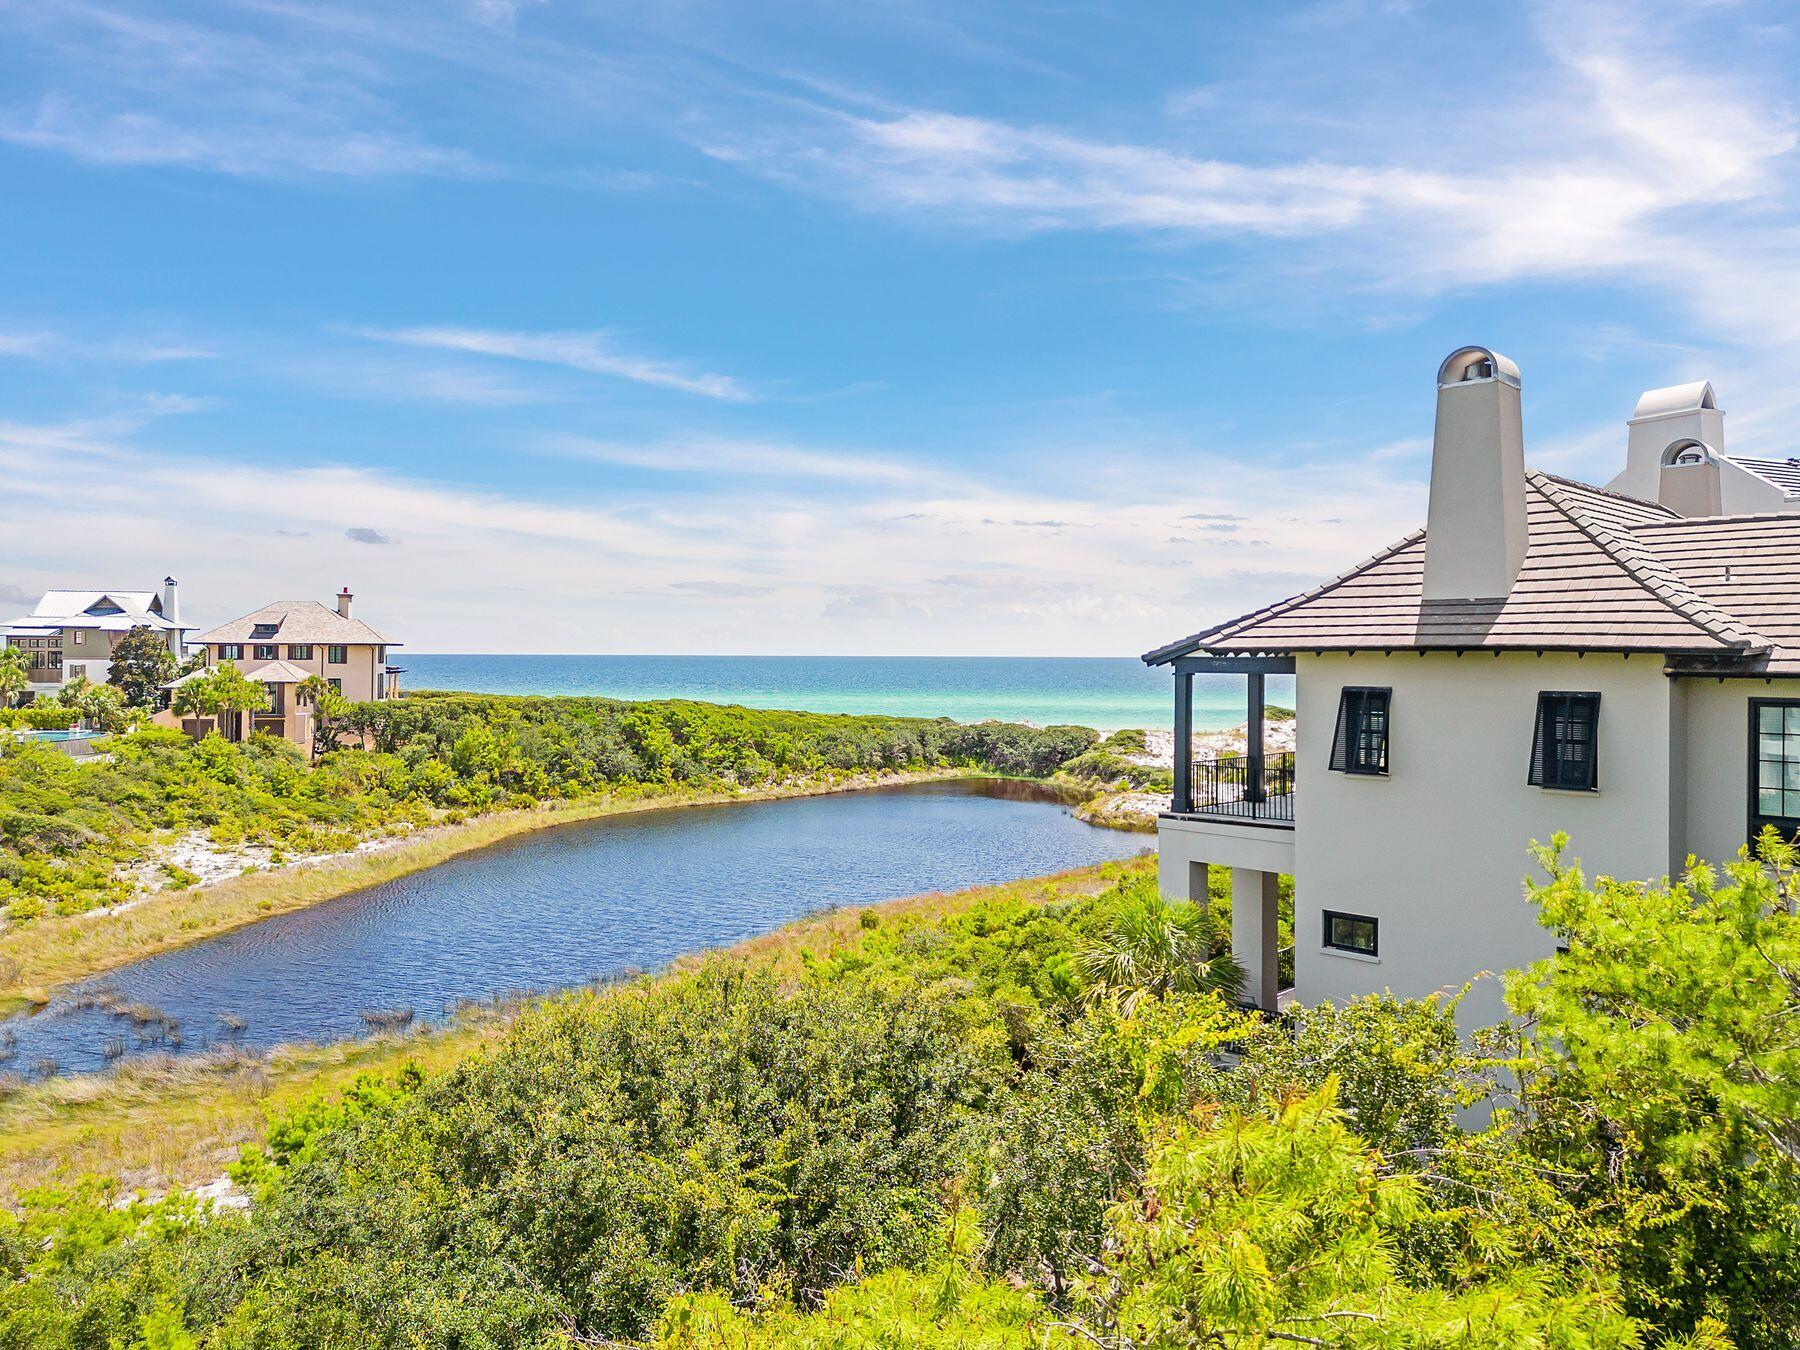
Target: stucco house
x,y
1544,655
70,632
283,643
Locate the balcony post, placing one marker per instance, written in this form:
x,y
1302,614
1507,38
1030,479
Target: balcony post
x,y
1253,738
1184,743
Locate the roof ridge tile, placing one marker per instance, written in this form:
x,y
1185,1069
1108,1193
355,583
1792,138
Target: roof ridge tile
x,y
1651,572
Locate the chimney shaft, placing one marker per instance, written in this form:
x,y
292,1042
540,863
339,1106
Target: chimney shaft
x,y
171,610
1475,532
1688,482
1661,422
344,599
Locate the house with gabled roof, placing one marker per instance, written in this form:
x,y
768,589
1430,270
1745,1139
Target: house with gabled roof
x,y
285,642
1622,665
73,632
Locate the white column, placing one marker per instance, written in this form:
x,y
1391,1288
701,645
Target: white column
x,y
1255,941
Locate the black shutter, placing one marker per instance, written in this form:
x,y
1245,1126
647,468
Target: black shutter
x,y
1360,743
1565,742
1340,740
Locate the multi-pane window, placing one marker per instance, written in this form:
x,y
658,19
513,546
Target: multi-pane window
x,y
336,655
300,651
1360,744
1352,933
1775,757
231,651
1565,748
266,651
337,685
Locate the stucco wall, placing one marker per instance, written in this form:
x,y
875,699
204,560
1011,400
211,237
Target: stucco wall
x,y
1718,738
361,673
1436,850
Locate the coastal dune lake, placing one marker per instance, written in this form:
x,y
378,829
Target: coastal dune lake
x,y
558,908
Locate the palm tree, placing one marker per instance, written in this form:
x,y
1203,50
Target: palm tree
x,y
1150,948
14,674
236,693
328,707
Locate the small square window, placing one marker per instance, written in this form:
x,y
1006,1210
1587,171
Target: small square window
x,y
337,655
337,685
1352,933
266,651
1565,742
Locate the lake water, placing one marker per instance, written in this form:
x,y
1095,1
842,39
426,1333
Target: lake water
x,y
1103,691
565,906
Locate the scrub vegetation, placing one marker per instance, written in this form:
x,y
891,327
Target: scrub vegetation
x,y
71,833
1019,1120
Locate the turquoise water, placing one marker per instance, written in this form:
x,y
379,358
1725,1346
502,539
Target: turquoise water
x,y
1101,691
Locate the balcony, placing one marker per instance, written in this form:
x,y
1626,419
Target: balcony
x,y
1249,788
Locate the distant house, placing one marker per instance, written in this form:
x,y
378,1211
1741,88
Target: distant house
x,y
1545,655
72,633
283,643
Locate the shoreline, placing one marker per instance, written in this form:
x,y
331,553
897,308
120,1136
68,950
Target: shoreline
x,y
53,952
166,1124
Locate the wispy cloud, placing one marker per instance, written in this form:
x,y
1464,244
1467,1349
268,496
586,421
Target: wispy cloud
x,y
48,345
595,353
721,456
362,534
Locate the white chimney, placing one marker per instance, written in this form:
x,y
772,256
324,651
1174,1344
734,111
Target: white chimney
x,y
344,599
1688,482
171,610
1663,422
1475,531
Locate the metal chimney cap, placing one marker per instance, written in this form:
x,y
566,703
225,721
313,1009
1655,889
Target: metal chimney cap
x,y
1469,365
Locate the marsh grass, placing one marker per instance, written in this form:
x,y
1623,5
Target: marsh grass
x,y
163,1121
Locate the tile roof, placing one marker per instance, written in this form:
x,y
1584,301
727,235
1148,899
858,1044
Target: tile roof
x,y
1602,572
298,621
1783,473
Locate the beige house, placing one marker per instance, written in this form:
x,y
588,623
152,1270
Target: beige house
x,y
70,633
1543,656
284,643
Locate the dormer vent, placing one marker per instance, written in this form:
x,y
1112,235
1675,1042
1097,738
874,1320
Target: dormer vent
x,y
1475,532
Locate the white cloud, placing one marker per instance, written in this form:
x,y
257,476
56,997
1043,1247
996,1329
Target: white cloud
x,y
594,353
722,456
926,566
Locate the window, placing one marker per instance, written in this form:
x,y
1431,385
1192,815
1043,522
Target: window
x,y
337,655
337,685
300,651
1564,744
1774,765
231,651
1360,744
78,637
264,630
266,651
1352,933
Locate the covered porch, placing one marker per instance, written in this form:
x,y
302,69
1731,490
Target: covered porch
x,y
1258,787
1235,813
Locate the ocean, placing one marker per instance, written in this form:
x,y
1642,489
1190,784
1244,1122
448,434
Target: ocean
x,y
1096,691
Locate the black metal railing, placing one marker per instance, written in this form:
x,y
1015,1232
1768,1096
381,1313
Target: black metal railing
x,y
1233,787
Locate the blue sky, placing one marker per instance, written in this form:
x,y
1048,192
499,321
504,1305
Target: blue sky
x,y
898,327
